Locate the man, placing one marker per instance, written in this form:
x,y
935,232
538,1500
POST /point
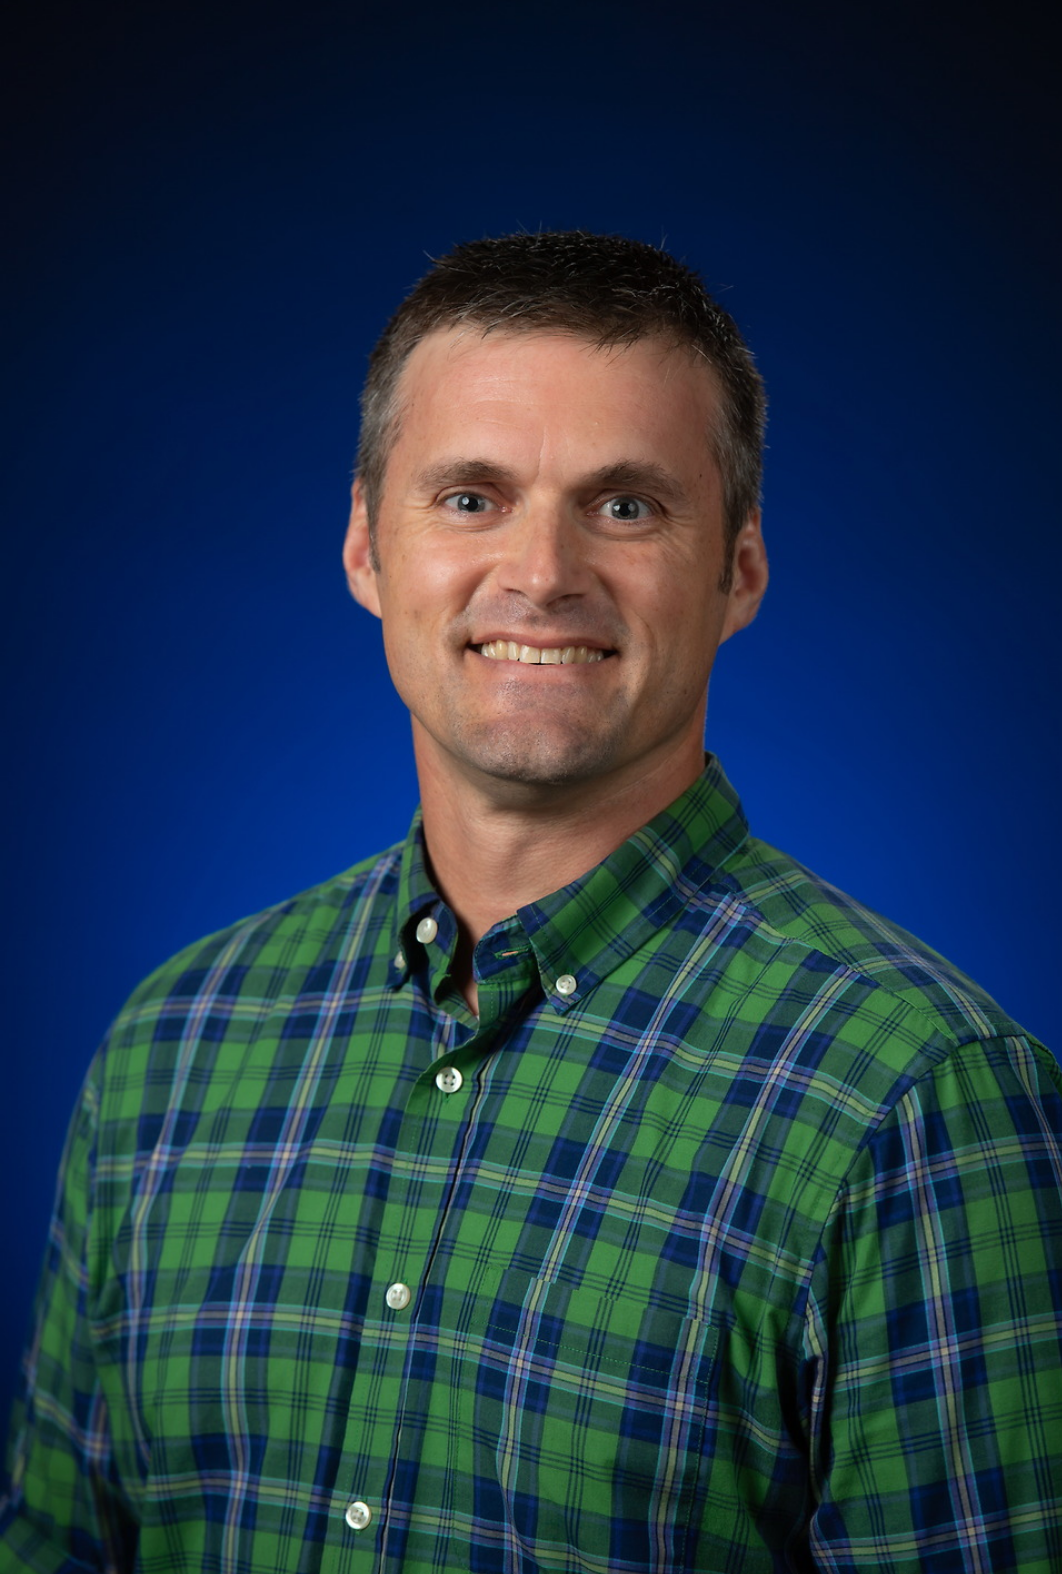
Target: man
x,y
581,1185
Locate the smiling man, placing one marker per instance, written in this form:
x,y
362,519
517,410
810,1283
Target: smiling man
x,y
551,561
581,1185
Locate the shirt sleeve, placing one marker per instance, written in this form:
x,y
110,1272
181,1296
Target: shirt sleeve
x,y
936,1330
65,1509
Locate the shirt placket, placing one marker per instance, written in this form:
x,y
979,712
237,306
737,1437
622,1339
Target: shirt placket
x,y
438,1123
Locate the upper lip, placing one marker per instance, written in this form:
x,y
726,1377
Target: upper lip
x,y
544,641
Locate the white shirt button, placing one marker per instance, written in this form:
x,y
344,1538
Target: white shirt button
x,y
398,1298
358,1515
448,1080
427,929
400,960
565,984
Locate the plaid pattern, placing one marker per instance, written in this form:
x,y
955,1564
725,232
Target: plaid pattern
x,y
745,1254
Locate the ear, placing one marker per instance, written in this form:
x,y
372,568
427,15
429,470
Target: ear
x,y
748,579
358,554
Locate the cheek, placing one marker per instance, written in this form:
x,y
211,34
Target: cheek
x,y
424,596
435,579
684,630
681,613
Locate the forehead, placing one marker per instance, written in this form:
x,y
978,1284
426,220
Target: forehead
x,y
554,389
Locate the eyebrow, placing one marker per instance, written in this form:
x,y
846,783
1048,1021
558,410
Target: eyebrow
x,y
641,475
463,472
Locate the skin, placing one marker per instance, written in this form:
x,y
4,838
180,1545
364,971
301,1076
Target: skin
x,y
556,495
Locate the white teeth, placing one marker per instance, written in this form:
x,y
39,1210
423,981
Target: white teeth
x,y
535,655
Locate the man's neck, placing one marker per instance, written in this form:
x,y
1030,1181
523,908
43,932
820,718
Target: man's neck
x,y
494,849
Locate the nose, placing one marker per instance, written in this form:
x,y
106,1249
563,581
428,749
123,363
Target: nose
x,y
544,557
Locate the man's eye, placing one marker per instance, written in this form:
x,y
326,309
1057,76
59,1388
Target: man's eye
x,y
628,510
466,503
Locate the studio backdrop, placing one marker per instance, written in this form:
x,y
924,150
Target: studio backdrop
x,y
217,209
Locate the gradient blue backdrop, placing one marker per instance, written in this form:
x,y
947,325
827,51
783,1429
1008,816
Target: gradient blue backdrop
x,y
215,213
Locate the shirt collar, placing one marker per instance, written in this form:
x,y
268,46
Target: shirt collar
x,y
417,898
588,928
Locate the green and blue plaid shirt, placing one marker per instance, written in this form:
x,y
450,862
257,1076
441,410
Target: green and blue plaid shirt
x,y
728,1238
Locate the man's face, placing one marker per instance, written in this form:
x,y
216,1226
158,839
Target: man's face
x,y
550,549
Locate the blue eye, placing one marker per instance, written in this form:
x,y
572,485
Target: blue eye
x,y
466,503
628,510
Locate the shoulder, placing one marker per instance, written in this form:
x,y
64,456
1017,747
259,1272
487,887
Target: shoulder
x,y
863,1045
812,923
220,986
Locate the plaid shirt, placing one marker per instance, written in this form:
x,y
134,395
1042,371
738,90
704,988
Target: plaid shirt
x,y
727,1238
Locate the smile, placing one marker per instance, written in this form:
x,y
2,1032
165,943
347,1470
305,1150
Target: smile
x,y
534,655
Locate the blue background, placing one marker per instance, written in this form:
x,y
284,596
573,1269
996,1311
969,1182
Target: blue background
x,y
216,211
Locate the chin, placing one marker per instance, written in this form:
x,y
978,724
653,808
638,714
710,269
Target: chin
x,y
535,761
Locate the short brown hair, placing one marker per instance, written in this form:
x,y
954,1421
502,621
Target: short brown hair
x,y
606,289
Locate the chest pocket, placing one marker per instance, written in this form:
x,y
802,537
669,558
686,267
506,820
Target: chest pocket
x,y
597,1408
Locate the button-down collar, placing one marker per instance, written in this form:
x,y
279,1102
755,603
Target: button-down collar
x,y
589,927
